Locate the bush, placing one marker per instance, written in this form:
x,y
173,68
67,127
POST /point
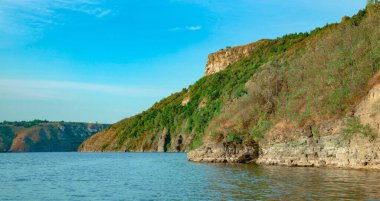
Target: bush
x,y
354,127
258,131
234,137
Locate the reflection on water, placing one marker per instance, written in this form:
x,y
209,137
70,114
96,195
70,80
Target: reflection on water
x,y
155,176
285,183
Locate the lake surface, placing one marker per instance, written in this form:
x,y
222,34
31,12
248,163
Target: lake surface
x,y
169,176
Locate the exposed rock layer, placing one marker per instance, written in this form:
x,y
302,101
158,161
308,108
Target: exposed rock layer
x,y
220,60
328,151
226,153
163,141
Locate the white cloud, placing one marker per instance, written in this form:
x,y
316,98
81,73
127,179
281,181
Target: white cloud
x,y
187,28
103,13
50,89
175,29
193,28
23,21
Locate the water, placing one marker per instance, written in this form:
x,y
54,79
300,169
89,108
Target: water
x,y
160,176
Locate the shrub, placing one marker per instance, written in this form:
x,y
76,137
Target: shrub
x,y
258,131
234,137
354,127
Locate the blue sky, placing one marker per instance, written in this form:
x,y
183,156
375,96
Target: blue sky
x,y
102,61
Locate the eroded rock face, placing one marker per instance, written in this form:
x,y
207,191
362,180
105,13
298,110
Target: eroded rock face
x,y
177,143
163,141
220,60
328,151
226,153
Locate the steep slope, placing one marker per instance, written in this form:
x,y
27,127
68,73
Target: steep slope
x,y
265,94
42,136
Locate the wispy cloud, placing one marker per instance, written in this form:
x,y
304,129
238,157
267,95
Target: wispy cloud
x,y
187,28
193,28
103,13
24,20
50,89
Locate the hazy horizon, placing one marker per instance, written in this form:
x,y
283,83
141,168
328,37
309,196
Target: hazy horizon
x,y
103,61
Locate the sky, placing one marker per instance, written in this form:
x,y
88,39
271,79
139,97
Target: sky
x,y
106,60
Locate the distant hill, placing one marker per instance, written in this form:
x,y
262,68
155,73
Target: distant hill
x,y
45,136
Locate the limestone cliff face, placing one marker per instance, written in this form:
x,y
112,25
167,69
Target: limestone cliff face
x,y
51,137
220,60
163,141
327,151
226,153
327,145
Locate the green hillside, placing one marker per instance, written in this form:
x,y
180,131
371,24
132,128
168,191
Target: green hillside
x,y
302,79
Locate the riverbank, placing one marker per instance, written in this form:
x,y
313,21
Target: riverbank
x,y
328,151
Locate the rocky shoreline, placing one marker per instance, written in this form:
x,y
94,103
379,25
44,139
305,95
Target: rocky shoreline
x,y
327,151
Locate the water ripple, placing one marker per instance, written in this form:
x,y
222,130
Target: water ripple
x,y
154,176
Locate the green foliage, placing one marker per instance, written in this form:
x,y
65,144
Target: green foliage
x,y
196,142
234,137
104,146
316,133
334,99
327,78
371,2
354,127
356,19
6,138
258,130
25,124
167,146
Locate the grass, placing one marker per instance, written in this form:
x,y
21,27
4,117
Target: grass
x,y
355,127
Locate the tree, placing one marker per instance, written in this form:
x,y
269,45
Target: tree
x,y
372,1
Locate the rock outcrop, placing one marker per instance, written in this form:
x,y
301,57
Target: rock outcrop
x,y
163,141
226,153
327,151
220,60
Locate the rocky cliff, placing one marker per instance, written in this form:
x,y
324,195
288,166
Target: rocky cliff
x,y
45,136
220,60
307,99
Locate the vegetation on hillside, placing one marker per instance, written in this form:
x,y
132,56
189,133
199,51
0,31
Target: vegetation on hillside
x,y
214,90
302,79
25,124
322,81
